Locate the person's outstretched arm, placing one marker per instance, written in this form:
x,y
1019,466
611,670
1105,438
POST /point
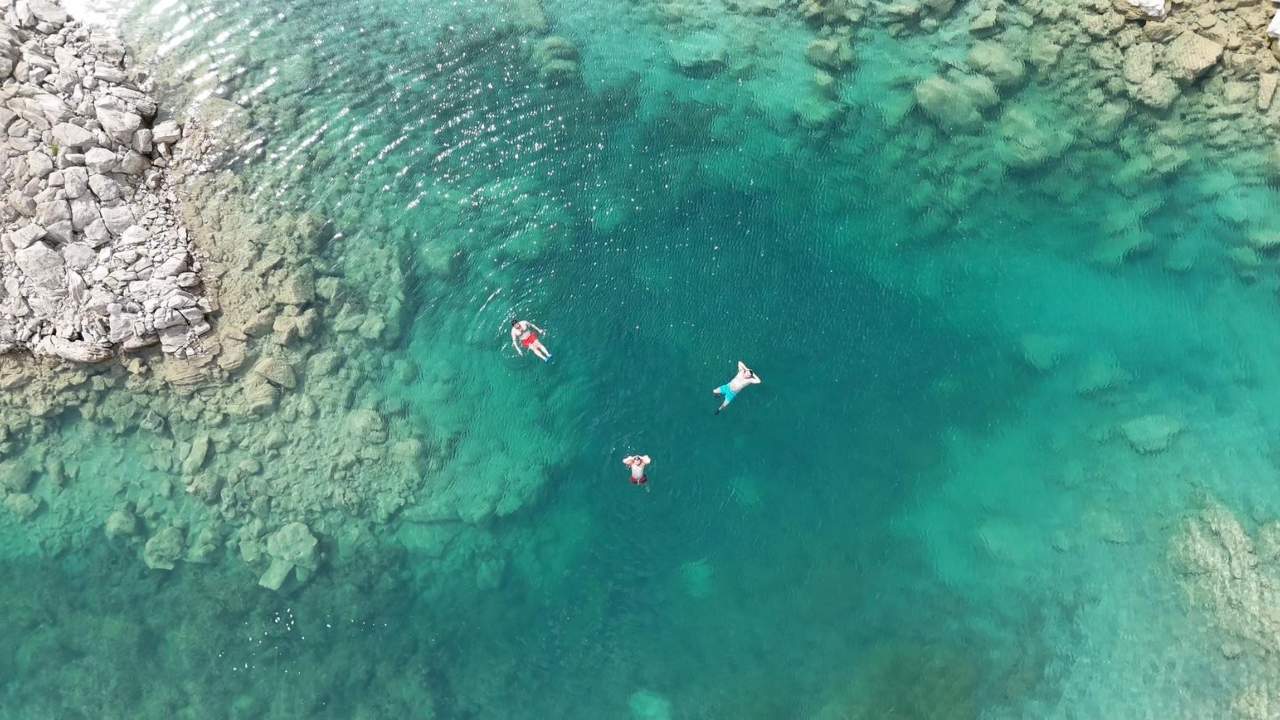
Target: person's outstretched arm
x,y
535,327
515,344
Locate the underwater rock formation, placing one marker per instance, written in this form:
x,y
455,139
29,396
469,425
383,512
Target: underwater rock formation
x,y
292,549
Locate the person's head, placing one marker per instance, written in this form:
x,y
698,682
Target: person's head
x,y
515,323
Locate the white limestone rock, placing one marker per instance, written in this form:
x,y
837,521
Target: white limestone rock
x,y
166,132
118,217
41,264
100,160
1142,9
79,351
75,181
24,236
104,188
48,11
72,137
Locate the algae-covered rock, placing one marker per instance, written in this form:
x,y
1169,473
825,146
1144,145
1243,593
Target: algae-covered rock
x,y
1151,434
1028,141
1139,62
292,548
196,454
121,523
947,104
1191,55
367,426
1042,352
994,60
701,54
818,113
22,505
15,476
164,549
1101,372
276,371
649,705
831,54
1156,92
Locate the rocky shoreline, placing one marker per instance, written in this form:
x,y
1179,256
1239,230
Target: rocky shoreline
x,y
95,259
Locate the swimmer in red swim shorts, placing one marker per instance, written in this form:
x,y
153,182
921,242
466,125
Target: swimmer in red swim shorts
x,y
525,334
637,463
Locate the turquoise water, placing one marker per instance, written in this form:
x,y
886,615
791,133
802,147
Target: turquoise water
x,y
910,517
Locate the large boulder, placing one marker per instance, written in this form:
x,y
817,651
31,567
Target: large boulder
x,y
1151,433
1156,92
292,548
947,105
15,476
72,137
100,160
701,54
832,54
80,351
166,132
42,265
48,11
649,705
276,371
1139,62
1029,141
994,61
164,549
956,103
1191,55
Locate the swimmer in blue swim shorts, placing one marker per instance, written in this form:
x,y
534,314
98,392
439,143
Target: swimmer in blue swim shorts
x,y
730,390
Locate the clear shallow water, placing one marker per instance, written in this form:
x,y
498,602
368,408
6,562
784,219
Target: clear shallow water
x,y
905,520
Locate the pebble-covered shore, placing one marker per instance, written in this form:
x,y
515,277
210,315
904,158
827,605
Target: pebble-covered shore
x,y
95,260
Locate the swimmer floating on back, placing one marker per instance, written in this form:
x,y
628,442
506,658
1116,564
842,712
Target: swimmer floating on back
x,y
637,463
525,334
731,389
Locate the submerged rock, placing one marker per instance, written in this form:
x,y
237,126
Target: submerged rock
x,y
1151,433
1156,92
831,54
292,548
22,505
121,523
164,549
947,104
701,54
1191,55
1028,141
196,454
993,60
15,476
649,705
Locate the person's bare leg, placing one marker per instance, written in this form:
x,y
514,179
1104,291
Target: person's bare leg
x,y
541,351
